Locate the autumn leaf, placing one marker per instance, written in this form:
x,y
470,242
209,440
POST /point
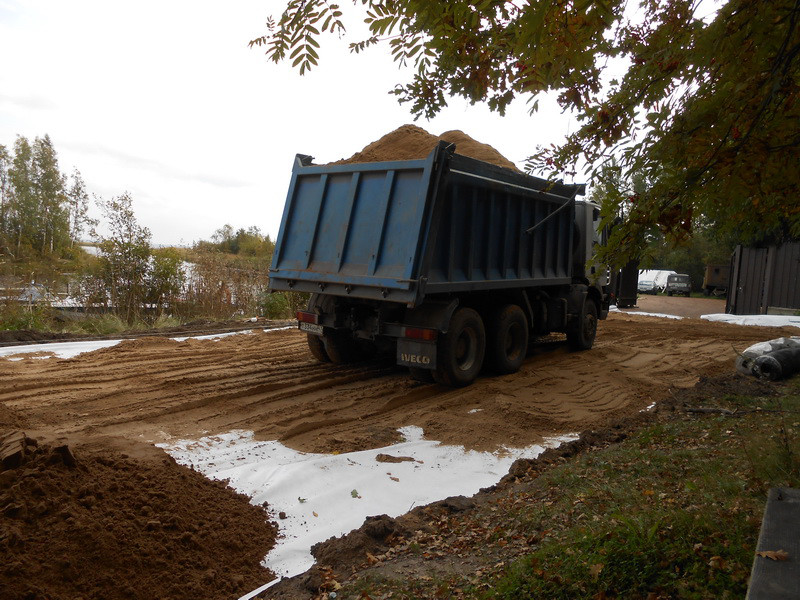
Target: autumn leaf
x,y
717,562
595,570
774,554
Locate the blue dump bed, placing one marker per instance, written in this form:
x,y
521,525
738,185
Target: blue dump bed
x,y
400,231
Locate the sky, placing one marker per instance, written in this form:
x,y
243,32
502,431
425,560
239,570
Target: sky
x,y
165,100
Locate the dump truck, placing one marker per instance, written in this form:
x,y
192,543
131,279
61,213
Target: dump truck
x,y
449,263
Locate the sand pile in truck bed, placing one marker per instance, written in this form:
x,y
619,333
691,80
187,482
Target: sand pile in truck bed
x,y
409,142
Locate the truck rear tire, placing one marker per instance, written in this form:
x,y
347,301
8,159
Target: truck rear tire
x,y
342,348
317,348
460,351
506,339
581,337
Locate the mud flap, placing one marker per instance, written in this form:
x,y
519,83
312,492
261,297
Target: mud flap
x,y
413,353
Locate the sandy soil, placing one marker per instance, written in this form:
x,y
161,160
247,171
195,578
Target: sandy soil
x,y
110,405
148,389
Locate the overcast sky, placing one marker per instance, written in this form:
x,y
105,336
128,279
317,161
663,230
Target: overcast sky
x,y
165,100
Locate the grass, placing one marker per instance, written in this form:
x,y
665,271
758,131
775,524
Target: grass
x,y
674,511
15,316
110,324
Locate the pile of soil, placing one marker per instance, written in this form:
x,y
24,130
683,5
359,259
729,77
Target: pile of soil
x,y
97,523
409,142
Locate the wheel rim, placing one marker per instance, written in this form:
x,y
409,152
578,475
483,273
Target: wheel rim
x,y
466,349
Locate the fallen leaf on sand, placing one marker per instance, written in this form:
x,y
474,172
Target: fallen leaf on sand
x,y
774,554
388,458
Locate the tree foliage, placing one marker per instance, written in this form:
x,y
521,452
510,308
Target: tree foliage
x,y
704,107
124,257
244,242
230,272
42,211
130,277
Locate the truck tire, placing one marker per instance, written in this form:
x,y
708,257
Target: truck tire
x,y
506,339
460,351
317,348
581,337
342,348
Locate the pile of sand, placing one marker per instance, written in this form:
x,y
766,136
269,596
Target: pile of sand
x,y
410,142
102,524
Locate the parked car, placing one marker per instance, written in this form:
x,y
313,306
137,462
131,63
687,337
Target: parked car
x,y
678,284
647,286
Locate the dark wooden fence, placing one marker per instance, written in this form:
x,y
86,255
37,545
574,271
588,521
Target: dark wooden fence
x,y
765,280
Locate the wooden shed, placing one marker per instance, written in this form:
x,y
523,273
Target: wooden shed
x,y
765,280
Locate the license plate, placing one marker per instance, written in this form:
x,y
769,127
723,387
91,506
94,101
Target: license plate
x,y
311,327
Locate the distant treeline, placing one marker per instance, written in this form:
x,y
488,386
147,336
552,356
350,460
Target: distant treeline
x,y
42,210
43,215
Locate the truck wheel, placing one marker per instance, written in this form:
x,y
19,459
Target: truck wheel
x,y
341,348
506,339
422,375
460,351
317,348
582,336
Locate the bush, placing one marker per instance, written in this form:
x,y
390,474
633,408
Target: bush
x,y
15,315
275,306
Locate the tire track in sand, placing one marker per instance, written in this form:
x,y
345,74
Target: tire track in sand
x,y
151,388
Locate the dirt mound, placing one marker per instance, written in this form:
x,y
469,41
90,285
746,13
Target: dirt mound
x,y
101,524
409,142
